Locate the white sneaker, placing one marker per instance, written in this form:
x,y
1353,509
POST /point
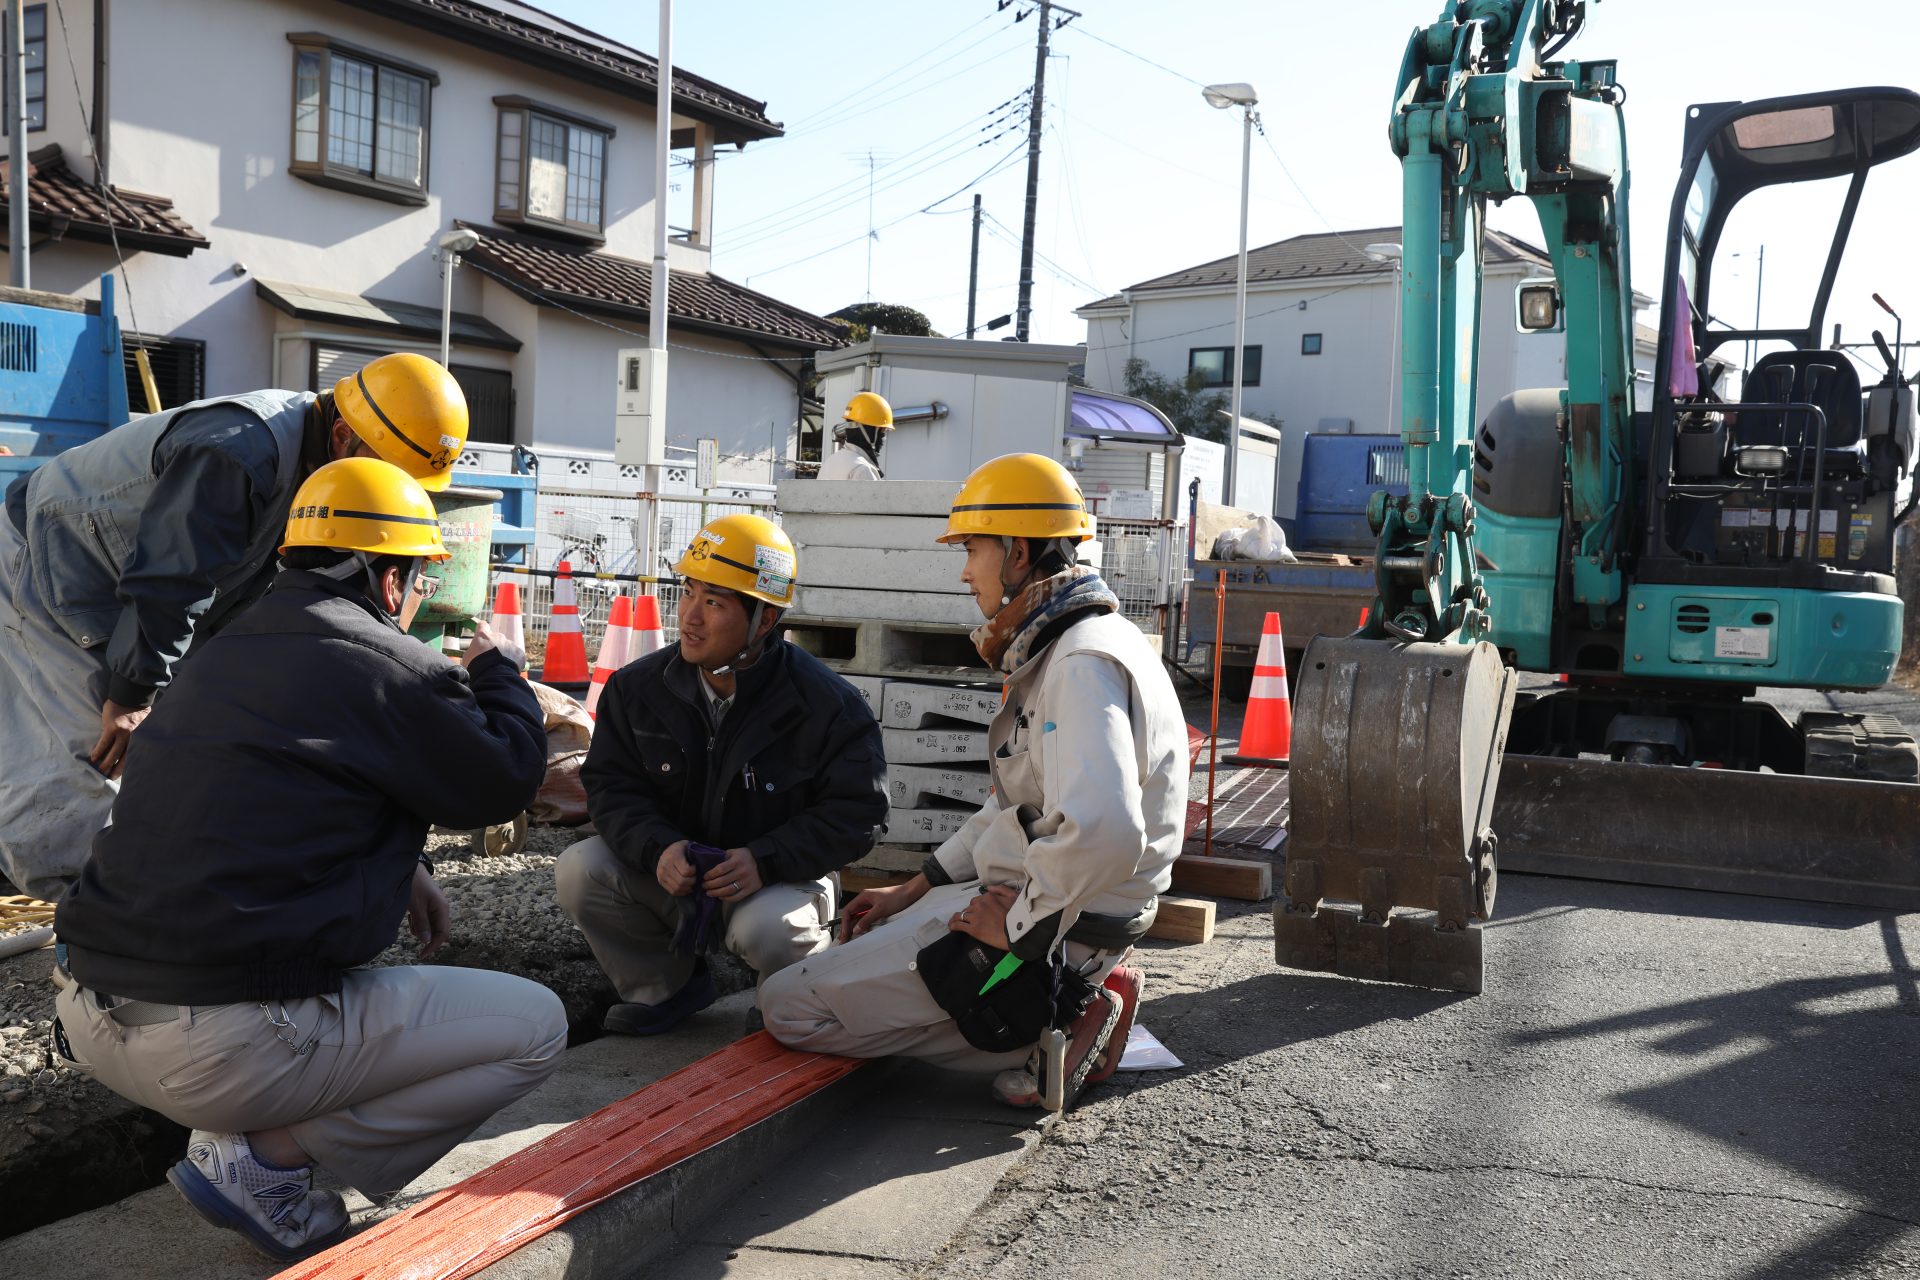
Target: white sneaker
x,y
277,1210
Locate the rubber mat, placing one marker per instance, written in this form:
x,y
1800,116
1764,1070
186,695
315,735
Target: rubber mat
x,y
475,1223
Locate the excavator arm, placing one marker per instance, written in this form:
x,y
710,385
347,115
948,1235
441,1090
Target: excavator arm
x,y
1401,726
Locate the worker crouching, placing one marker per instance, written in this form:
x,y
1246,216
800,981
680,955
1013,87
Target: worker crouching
x,y
267,842
729,777
1020,921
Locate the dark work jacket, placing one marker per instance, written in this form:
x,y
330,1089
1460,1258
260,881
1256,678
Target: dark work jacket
x,y
276,801
796,774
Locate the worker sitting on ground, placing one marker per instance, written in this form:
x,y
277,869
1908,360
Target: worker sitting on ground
x,y
1017,921
857,457
730,777
267,842
118,557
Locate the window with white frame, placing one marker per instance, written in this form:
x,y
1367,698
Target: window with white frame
x,y
550,168
360,119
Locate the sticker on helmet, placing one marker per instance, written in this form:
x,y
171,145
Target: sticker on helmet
x,y
772,560
772,584
449,442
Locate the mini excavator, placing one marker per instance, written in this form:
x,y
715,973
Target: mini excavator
x,y
1669,562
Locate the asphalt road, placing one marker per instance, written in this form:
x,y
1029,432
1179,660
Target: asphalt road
x,y
1655,1083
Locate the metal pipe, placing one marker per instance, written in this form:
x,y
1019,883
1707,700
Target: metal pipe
x,y
922,412
19,270
1240,315
446,307
1213,736
662,152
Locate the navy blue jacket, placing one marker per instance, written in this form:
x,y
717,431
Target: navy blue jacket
x,y
796,775
276,801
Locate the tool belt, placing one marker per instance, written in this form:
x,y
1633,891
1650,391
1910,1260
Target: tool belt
x,y
1040,994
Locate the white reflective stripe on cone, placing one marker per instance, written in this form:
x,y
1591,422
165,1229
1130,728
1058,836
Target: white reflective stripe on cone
x,y
1269,687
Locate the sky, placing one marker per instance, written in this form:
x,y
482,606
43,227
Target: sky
x,y
1139,176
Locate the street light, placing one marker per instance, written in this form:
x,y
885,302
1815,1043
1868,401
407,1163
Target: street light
x,y
450,245
1223,96
1390,251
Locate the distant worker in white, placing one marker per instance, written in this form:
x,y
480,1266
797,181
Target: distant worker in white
x,y
869,417
1020,921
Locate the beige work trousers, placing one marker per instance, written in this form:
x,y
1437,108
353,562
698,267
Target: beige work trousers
x,y
388,1076
865,999
629,922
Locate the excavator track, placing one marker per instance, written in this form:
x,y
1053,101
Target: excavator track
x,y
1396,761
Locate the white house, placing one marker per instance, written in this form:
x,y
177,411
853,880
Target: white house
x,y
1322,340
300,158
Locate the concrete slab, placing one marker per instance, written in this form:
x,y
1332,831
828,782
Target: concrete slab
x,y
888,606
896,1192
867,497
911,785
935,569
923,826
821,529
920,706
871,689
934,746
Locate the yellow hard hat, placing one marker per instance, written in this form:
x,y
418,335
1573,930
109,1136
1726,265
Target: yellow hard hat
x,y
744,553
1020,495
364,504
870,410
410,411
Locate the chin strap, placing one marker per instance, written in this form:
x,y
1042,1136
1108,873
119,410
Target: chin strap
x,y
753,628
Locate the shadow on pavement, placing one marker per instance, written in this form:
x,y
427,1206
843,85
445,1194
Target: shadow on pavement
x,y
1816,1076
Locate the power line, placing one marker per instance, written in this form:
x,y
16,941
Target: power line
x,y
920,87
998,165
1337,233
846,194
805,123
1140,57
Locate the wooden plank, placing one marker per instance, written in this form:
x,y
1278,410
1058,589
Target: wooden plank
x,y
1184,920
855,879
1244,879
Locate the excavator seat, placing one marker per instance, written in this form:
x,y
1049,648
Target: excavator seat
x,y
1824,379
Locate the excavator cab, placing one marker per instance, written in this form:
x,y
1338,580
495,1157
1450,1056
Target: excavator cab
x,y
1791,485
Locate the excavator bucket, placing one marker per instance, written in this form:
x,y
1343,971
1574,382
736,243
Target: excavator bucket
x,y
1396,760
1778,835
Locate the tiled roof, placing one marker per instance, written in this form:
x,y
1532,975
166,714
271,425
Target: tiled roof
x,y
61,204
532,35
1331,253
559,274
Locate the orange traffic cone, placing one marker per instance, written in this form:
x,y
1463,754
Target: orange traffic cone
x,y
613,648
566,647
506,615
1268,731
647,635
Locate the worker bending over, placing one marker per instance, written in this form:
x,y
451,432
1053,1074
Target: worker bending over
x,y
729,777
1017,921
119,556
859,437
266,844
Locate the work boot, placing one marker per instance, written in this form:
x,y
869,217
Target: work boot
x,y
1090,1032
276,1210
1125,983
653,1019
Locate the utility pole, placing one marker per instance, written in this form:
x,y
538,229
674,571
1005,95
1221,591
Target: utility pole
x,y
1023,313
973,266
20,275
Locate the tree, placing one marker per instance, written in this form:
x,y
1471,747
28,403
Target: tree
x,y
862,318
1194,410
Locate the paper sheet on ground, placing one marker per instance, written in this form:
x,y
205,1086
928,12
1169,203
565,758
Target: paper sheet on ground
x,y
1146,1053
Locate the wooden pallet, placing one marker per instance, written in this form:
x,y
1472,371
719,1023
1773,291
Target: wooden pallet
x,y
900,650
